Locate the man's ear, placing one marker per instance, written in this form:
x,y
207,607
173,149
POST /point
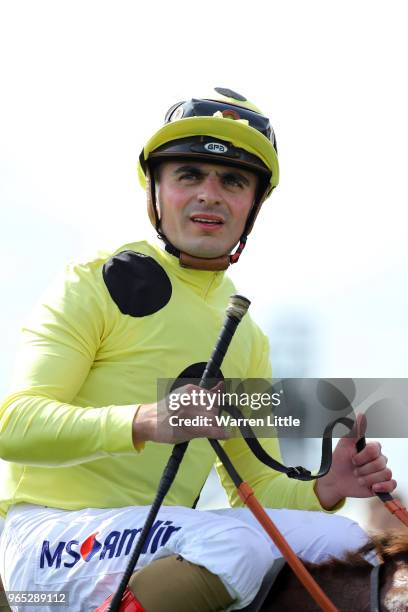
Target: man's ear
x,y
152,188
157,173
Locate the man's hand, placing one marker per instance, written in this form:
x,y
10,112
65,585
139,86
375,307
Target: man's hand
x,y
355,474
152,420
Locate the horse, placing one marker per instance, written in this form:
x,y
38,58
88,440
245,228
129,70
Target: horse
x,y
347,581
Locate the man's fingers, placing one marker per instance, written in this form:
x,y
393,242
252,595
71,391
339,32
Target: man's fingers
x,y
385,487
373,466
218,387
218,433
376,478
371,452
185,434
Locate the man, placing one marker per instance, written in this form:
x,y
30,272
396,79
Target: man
x,y
83,433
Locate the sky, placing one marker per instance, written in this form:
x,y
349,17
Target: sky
x,y
84,85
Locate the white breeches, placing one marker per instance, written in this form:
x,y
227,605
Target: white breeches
x,y
84,552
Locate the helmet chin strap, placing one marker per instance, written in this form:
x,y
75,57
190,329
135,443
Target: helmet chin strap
x,y
213,264
186,260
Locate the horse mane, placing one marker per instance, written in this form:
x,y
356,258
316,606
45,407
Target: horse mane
x,y
386,544
391,543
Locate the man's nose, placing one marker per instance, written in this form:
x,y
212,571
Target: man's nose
x,y
210,190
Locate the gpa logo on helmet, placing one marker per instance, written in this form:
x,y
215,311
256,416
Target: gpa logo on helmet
x,y
215,147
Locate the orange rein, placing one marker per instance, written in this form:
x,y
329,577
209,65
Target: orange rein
x,y
249,499
397,509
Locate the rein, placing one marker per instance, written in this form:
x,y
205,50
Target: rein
x,y
375,576
299,472
394,506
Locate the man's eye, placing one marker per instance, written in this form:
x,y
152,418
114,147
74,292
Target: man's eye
x,y
235,181
189,176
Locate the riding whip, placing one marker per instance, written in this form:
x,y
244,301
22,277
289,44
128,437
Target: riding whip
x,y
236,309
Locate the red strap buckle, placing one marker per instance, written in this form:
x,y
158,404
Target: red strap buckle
x,y
235,256
129,603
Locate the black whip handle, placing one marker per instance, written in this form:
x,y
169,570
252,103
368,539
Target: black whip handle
x,y
214,363
166,481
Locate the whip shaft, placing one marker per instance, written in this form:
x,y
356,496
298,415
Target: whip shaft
x,y
237,307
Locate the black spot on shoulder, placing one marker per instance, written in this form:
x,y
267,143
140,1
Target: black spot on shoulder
x,y
136,283
192,374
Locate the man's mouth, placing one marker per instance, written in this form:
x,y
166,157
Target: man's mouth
x,y
207,220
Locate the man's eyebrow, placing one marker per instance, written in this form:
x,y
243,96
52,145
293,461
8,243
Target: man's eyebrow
x,y
236,173
188,168
197,170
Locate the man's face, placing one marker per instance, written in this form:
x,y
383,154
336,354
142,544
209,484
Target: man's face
x,y
204,206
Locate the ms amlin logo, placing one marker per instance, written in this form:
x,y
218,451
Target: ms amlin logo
x,y
115,544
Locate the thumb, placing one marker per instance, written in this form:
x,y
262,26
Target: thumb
x,y
359,427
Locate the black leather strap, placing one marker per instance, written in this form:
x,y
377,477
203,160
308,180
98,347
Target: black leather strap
x,y
298,472
375,604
